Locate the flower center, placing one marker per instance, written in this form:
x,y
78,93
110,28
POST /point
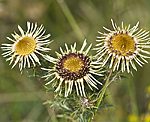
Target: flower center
x,y
123,44
73,66
25,46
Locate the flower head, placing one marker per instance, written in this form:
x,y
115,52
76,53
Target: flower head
x,y
73,68
26,46
123,46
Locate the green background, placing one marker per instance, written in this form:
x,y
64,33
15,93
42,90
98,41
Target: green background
x,y
22,97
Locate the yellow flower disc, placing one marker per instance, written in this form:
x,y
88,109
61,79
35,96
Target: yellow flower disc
x,y
73,64
123,43
25,46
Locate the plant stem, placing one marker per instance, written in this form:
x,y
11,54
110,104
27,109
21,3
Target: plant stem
x,y
102,93
71,19
100,98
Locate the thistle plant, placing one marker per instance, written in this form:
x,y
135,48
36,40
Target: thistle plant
x,y
26,45
123,46
73,69
79,79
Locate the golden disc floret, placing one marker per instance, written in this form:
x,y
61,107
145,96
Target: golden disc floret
x,y
73,64
25,46
123,44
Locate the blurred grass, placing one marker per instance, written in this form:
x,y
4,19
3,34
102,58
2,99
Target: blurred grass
x,y
69,21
